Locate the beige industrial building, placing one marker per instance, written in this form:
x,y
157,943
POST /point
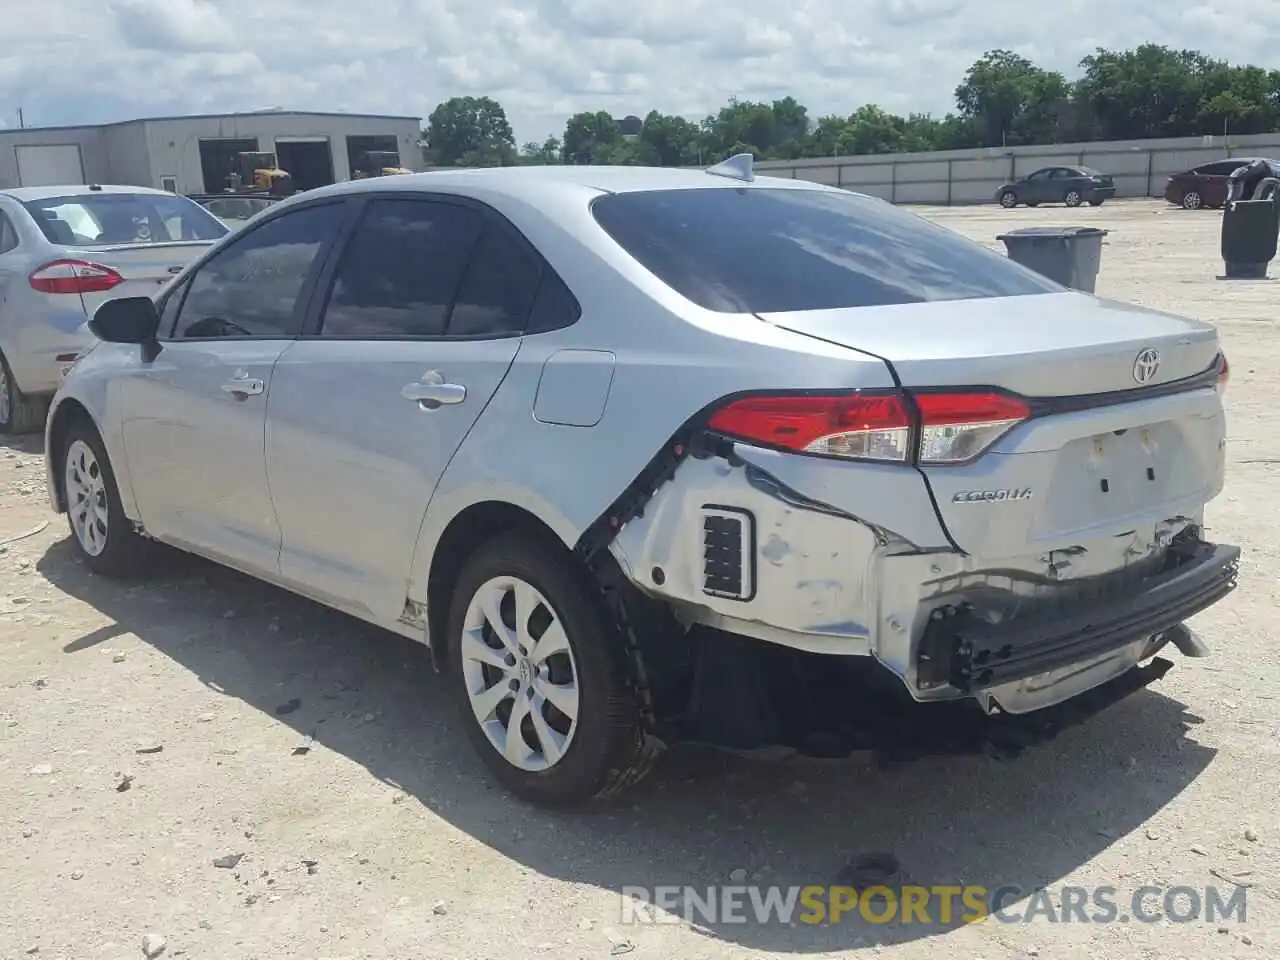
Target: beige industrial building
x,y
196,154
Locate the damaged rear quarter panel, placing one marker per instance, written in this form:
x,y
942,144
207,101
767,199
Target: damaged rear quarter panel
x,y
821,531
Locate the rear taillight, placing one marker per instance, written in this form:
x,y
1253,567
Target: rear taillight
x,y
74,276
1224,372
955,427
863,426
928,428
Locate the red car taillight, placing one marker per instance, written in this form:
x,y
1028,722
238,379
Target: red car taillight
x,y
893,427
1224,372
73,276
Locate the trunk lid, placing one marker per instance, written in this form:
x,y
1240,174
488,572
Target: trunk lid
x,y
1059,480
145,267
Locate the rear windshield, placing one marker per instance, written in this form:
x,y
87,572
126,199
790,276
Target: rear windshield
x,y
99,219
764,250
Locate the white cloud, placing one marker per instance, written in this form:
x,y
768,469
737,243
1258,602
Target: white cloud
x,y
75,61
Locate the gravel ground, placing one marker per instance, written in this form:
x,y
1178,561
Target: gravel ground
x,y
150,731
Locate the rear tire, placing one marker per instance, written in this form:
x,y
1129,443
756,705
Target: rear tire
x,y
558,667
101,532
1073,198
1096,203
19,413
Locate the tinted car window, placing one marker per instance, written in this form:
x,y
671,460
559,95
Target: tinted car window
x,y
555,307
251,288
401,271
778,249
169,309
8,236
500,285
98,219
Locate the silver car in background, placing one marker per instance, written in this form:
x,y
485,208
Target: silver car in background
x,y
630,448
64,250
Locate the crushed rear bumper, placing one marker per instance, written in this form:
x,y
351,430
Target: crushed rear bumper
x,y
967,654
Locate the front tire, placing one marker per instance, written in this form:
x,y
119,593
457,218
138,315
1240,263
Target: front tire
x,y
1191,200
102,534
1008,199
18,413
541,675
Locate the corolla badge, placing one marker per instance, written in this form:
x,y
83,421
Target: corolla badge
x,y
992,496
1146,364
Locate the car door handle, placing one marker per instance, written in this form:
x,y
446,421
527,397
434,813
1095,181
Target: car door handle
x,y
430,395
241,387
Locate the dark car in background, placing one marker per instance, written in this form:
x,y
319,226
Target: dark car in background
x,y
1070,185
1205,186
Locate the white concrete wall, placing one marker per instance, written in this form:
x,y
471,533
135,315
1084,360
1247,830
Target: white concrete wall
x,y
1139,167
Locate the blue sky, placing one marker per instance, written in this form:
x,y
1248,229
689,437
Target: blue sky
x,y
84,61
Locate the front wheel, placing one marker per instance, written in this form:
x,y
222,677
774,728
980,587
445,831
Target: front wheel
x,y
1008,199
541,675
102,534
1073,198
1191,200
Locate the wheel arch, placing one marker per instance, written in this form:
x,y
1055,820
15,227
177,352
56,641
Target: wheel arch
x,y
67,413
457,541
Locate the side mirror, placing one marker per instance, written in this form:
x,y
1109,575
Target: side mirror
x,y
126,320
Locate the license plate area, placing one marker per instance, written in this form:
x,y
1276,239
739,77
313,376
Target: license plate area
x,y
1124,473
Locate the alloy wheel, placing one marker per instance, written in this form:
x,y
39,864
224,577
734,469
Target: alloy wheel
x,y
1192,200
520,674
1073,199
86,498
1008,201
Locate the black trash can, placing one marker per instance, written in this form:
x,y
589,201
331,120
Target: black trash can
x,y
1069,255
1250,230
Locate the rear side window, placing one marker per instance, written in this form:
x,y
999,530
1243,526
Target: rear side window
x,y
773,250
102,219
499,288
8,236
401,271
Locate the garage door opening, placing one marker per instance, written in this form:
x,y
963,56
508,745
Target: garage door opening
x,y
218,160
358,147
309,162
49,165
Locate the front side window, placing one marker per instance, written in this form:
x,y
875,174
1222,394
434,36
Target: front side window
x,y
103,219
769,250
402,269
251,288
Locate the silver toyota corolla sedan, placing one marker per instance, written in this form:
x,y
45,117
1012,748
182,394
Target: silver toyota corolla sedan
x,y
64,250
601,436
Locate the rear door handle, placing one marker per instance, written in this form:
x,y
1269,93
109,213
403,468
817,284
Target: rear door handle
x,y
242,385
431,392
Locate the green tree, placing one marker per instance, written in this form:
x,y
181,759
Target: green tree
x,y
673,140
1008,97
470,131
546,152
590,137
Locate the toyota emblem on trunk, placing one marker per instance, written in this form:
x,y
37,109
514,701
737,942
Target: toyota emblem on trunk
x,y
1146,364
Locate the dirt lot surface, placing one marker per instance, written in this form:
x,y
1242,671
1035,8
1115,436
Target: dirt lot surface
x,y
148,731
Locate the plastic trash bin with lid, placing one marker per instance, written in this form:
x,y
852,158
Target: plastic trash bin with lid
x,y
1069,255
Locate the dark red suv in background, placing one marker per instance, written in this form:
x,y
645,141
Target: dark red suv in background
x,y
1206,185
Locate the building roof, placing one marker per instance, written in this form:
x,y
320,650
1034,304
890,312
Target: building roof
x,y
211,116
25,194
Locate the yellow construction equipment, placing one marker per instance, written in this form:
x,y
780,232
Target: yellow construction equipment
x,y
257,172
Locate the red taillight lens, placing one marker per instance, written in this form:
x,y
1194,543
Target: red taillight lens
x,y
74,276
1224,371
873,426
955,427
952,427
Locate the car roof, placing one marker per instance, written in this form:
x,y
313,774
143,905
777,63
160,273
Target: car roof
x,y
527,182
26,194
